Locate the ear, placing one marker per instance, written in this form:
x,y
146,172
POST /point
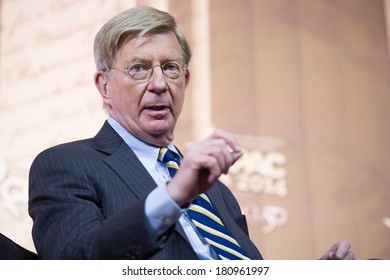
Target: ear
x,y
100,80
187,77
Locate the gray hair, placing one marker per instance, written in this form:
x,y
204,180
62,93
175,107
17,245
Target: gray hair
x,y
134,22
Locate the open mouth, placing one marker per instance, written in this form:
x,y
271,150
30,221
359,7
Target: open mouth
x,y
158,108
158,111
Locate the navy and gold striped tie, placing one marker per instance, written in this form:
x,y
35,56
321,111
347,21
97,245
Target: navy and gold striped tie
x,y
203,215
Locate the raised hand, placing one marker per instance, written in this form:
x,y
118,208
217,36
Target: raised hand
x,y
202,164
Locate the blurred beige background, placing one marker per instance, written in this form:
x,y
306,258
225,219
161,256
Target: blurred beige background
x,y
303,84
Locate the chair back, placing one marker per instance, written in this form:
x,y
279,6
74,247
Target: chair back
x,y
10,250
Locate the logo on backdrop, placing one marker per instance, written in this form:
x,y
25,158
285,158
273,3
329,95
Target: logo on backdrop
x,y
261,172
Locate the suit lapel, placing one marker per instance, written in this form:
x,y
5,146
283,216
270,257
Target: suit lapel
x,y
127,165
123,161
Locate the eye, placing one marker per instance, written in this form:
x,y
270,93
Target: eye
x,y
171,67
138,68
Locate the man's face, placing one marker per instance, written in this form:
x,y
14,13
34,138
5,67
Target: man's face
x,y
147,109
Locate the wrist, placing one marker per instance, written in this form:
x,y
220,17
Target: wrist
x,y
176,195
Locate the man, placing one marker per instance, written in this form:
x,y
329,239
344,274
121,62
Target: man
x,y
113,196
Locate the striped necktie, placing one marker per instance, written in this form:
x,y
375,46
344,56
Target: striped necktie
x,y
204,217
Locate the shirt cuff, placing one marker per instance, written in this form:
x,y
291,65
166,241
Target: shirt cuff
x,y
161,210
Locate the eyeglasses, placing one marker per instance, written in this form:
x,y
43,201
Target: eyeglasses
x,y
143,71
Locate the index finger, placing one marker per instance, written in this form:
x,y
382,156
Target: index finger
x,y
230,140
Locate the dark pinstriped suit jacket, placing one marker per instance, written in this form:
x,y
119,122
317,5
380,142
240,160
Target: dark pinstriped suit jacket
x,y
86,199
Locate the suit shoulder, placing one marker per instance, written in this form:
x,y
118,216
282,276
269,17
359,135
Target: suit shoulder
x,y
67,150
78,145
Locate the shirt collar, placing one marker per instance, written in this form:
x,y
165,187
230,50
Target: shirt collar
x,y
146,153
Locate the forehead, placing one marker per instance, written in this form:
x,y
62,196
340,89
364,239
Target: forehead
x,y
153,47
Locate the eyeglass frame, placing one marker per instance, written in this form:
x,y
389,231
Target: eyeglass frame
x,y
150,70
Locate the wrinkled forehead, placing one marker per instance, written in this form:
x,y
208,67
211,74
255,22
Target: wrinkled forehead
x,y
151,46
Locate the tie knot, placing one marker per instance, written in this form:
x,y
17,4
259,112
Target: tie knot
x,y
170,159
165,155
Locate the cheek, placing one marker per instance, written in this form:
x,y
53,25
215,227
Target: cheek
x,y
126,97
179,108
179,101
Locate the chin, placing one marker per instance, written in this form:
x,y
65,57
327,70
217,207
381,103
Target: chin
x,y
159,127
163,135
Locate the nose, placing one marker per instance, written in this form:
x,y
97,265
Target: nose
x,y
157,81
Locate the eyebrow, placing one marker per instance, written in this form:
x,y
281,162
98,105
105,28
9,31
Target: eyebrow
x,y
148,61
